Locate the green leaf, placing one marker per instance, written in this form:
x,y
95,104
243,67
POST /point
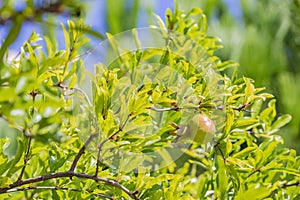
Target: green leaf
x,y
234,176
269,113
11,165
115,46
281,121
245,122
89,31
202,186
7,94
67,39
229,123
286,170
249,90
161,25
3,158
243,165
222,179
244,152
228,147
12,35
256,193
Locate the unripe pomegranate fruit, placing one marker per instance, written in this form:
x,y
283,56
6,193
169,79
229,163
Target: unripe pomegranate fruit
x,y
200,129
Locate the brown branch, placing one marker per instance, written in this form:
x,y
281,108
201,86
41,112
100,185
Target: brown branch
x,y
42,188
66,175
290,184
81,152
26,159
99,159
56,8
242,107
56,188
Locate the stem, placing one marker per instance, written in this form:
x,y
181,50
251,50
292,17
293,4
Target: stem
x,y
164,109
80,91
99,159
66,175
33,94
42,188
290,184
26,159
77,90
81,151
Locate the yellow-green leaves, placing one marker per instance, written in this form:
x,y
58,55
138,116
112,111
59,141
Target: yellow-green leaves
x,y
281,121
162,26
249,91
137,104
222,179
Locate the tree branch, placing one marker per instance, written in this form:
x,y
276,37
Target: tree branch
x,y
66,175
56,188
56,8
42,188
81,151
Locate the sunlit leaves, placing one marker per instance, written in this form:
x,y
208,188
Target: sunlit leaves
x,y
131,113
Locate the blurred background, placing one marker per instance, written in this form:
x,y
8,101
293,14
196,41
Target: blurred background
x,y
263,36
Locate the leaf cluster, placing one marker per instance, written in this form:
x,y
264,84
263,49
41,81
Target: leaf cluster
x,y
117,143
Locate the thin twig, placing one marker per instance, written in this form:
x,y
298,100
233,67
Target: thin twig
x,y
290,184
77,90
66,175
80,91
164,109
243,107
26,159
81,151
104,196
99,159
33,94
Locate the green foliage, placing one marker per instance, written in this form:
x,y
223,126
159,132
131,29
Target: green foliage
x,y
264,41
121,15
129,113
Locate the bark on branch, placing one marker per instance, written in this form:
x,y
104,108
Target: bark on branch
x,y
68,174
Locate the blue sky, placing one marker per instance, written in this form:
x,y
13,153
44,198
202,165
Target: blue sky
x,y
96,17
